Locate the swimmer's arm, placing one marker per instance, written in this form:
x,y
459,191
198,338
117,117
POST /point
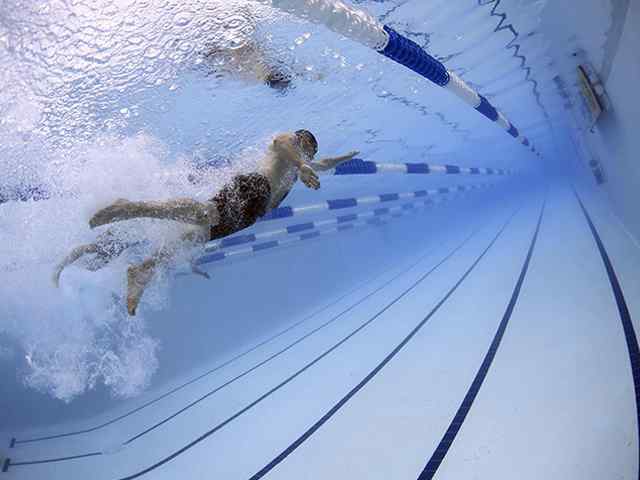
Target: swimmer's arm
x,y
75,254
332,162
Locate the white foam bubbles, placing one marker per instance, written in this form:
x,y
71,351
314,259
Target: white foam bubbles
x,y
79,337
86,339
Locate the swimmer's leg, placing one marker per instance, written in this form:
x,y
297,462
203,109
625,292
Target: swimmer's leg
x,y
183,210
75,254
139,276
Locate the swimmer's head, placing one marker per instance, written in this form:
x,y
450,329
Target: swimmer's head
x,y
308,142
277,80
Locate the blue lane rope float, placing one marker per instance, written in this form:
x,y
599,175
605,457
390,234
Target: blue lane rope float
x,y
310,235
358,166
363,28
411,55
311,230
408,53
342,203
306,227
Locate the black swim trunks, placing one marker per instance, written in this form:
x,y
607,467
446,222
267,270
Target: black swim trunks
x,y
240,204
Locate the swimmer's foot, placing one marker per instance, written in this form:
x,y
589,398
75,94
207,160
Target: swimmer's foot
x,y
138,277
56,277
197,271
113,213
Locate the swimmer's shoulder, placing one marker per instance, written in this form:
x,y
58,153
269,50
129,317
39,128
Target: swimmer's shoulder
x,y
284,139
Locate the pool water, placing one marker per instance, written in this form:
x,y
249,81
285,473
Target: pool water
x,y
475,318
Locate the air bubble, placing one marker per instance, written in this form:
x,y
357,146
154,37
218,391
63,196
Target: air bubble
x,y
302,38
185,47
182,18
136,40
152,52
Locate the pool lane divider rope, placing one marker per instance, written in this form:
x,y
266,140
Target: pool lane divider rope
x,y
625,316
342,203
450,434
213,248
377,220
358,166
360,26
299,371
378,217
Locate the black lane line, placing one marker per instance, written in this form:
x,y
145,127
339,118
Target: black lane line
x,y
15,441
625,315
287,451
9,463
454,427
422,257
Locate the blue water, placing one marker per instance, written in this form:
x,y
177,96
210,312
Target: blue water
x,y
490,316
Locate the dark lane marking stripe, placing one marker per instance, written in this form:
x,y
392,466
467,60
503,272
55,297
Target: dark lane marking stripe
x,y
420,259
9,463
286,452
454,427
306,367
625,316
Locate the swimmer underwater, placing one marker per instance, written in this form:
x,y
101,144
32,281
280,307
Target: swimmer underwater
x,y
238,205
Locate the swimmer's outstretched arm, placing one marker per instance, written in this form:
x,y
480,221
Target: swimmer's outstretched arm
x,y
332,162
75,254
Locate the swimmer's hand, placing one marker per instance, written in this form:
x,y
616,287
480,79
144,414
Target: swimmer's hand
x,y
309,177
